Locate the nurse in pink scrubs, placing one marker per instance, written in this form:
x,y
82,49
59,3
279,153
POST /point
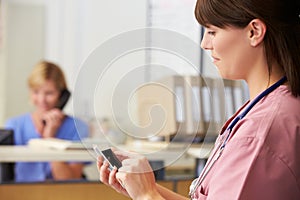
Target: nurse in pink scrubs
x,y
257,154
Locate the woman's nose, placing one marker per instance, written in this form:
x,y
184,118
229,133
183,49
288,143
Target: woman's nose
x,y
206,42
42,98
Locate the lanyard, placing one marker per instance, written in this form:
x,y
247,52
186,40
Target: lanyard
x,y
215,156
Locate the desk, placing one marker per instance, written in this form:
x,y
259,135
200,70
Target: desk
x,y
28,154
200,152
201,155
175,157
31,154
75,191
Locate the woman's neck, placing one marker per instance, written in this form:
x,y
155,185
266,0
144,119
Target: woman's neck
x,y
261,82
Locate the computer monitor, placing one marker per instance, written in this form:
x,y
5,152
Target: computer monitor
x,y
6,169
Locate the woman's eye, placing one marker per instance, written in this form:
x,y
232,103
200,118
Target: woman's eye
x,y
212,33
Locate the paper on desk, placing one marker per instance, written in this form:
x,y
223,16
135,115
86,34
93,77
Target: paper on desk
x,y
55,143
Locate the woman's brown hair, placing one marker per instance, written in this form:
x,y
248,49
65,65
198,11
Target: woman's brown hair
x,y
282,18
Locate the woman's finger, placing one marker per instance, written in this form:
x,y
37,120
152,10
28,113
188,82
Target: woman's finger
x,y
99,162
104,173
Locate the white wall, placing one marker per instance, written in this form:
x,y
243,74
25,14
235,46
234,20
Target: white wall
x,y
23,46
2,64
75,29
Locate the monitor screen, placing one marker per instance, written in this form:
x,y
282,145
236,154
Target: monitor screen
x,y
6,169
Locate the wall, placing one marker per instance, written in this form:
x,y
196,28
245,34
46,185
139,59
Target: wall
x,y
2,62
23,46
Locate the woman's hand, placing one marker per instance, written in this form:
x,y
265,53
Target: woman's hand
x,y
53,120
136,175
135,178
109,177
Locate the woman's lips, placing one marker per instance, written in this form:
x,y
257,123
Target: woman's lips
x,y
215,59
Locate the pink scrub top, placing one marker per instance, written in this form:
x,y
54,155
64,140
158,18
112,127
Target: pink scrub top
x,y
261,161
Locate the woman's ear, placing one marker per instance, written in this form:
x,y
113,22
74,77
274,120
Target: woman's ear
x,y
257,31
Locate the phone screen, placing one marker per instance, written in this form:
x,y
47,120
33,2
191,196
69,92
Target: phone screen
x,y
109,156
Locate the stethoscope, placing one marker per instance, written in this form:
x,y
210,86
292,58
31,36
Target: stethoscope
x,y
221,145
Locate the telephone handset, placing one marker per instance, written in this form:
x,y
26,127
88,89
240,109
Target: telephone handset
x,y
62,101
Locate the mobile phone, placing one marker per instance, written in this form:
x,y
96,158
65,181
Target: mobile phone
x,y
63,99
109,156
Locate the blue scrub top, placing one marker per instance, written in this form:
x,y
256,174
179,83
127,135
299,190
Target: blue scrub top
x,y
24,130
